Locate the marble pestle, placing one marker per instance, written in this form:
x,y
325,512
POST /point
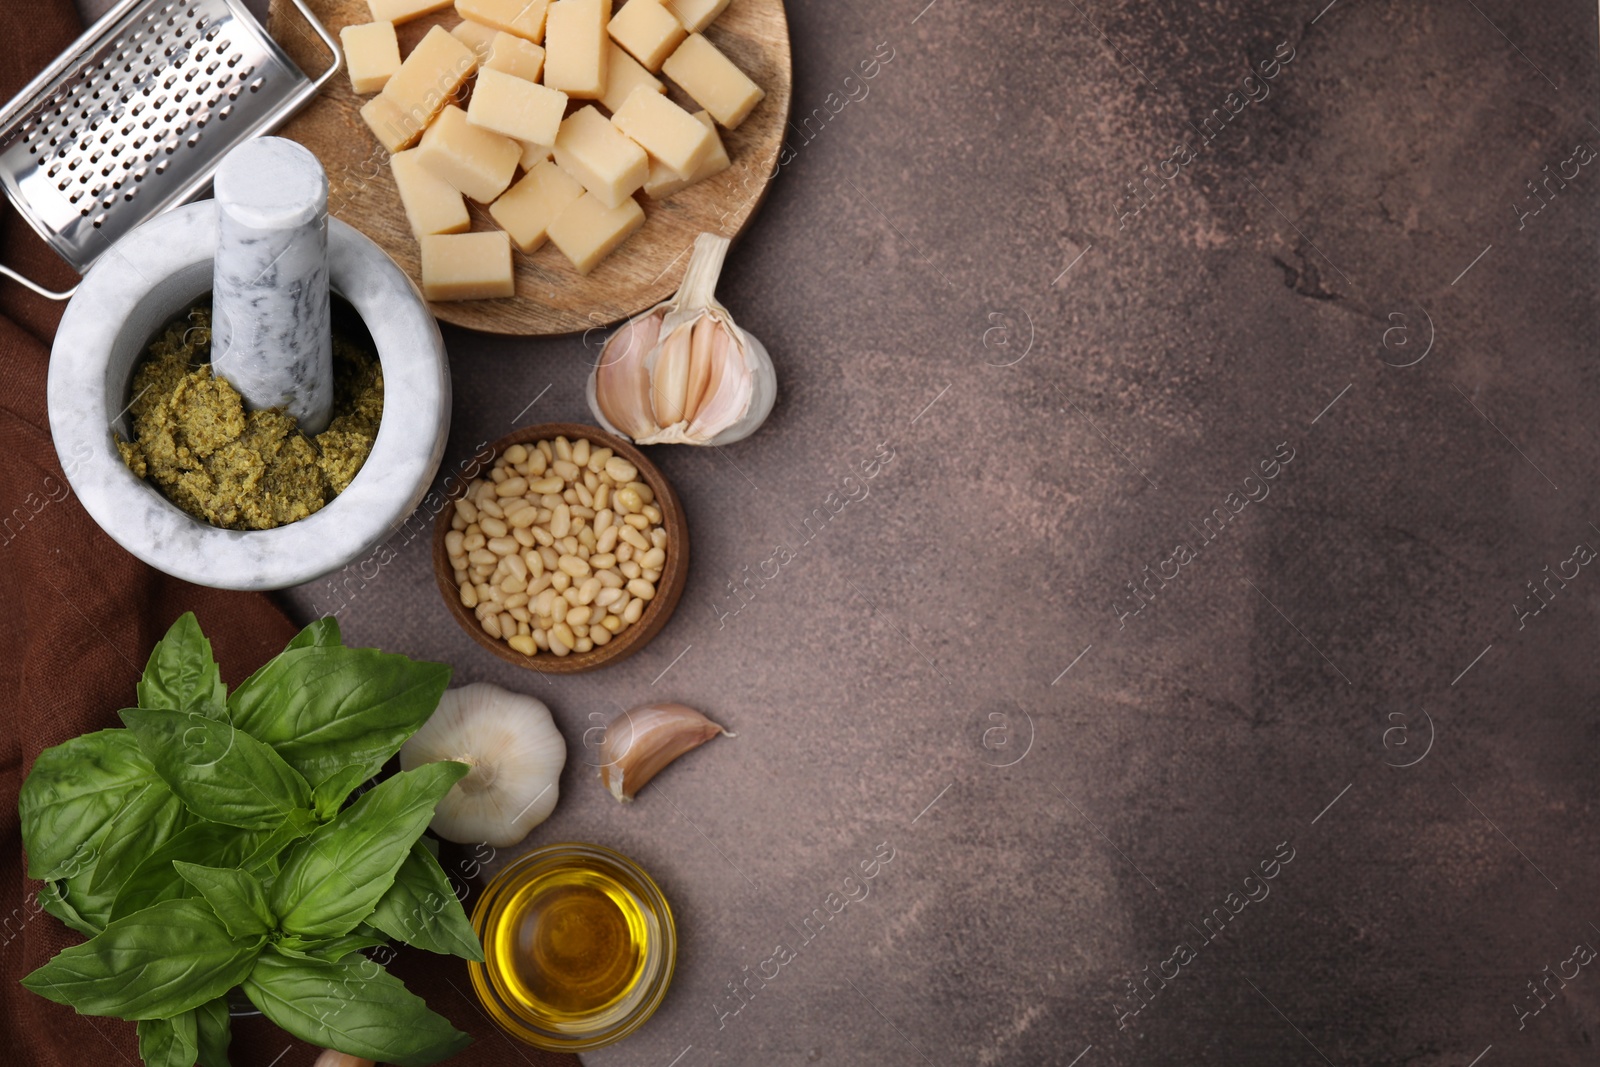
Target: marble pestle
x,y
271,336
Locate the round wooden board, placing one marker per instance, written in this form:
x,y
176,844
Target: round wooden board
x,y
552,297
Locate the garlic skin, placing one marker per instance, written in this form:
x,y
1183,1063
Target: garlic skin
x,y
516,754
684,372
640,743
334,1058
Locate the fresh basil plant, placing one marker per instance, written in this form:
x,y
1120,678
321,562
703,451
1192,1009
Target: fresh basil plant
x,y
209,846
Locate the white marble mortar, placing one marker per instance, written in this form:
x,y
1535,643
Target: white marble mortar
x,y
152,276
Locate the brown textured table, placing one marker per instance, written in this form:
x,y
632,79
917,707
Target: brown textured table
x,y
1350,271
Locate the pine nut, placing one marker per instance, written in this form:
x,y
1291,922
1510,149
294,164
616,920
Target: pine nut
x,y
540,555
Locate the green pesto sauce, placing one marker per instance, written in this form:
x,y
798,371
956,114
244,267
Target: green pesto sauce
x,y
243,470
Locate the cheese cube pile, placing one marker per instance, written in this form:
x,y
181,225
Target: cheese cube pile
x,y
564,92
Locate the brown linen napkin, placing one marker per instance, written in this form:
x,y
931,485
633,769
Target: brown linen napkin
x,y
78,617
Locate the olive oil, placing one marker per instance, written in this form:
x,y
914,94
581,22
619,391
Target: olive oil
x,y
578,946
571,944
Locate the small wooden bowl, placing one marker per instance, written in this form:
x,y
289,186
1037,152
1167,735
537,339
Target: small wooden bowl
x,y
668,589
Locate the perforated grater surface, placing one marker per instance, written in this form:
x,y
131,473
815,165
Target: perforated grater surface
x,y
135,117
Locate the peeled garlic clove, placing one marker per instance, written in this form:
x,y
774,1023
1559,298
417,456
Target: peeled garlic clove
x,y
516,755
639,743
619,388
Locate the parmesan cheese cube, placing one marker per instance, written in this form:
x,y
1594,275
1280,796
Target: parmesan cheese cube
x,y
393,128
511,107
476,36
533,155
525,18
429,77
712,79
696,15
589,230
432,204
624,77
528,207
472,159
665,130
647,30
514,56
371,55
575,59
664,181
393,11
596,153
467,266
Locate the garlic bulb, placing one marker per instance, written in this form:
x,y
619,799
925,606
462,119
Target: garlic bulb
x,y
639,743
516,754
683,372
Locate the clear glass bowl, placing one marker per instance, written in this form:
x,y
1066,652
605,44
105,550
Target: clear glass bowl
x,y
509,979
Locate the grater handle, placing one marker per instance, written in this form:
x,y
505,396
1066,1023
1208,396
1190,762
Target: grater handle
x,y
35,286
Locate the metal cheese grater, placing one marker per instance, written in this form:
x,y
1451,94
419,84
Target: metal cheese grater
x,y
136,116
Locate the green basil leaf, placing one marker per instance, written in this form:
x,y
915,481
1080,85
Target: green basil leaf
x,y
235,895
329,949
73,791
329,795
264,860
182,675
170,1042
323,631
326,708
206,843
151,965
355,1007
215,1032
145,823
220,773
55,903
421,909
332,880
